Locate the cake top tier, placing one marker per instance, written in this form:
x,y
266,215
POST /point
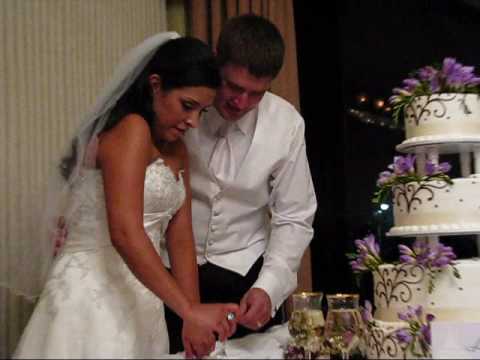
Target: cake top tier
x,y
442,120
439,104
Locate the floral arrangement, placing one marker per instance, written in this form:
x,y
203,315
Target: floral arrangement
x,y
367,256
367,314
432,257
418,333
416,337
402,171
449,77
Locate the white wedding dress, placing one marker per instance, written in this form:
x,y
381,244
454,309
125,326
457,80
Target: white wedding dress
x,y
92,305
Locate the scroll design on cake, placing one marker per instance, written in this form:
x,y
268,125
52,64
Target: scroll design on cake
x,y
410,192
434,106
384,344
395,284
463,105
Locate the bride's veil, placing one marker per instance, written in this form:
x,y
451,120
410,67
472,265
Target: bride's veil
x,y
28,273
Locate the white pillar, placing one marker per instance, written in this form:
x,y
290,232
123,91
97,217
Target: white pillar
x,y
432,154
465,164
476,161
421,160
432,239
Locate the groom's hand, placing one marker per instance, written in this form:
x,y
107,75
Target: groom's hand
x,y
196,342
255,309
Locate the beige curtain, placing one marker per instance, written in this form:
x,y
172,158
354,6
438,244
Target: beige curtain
x,y
55,55
205,20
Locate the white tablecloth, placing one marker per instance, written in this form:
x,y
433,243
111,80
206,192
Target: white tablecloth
x,y
267,345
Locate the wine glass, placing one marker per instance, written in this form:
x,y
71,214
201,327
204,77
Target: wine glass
x,y
344,327
306,326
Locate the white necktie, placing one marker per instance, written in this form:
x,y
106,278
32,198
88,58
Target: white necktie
x,y
222,162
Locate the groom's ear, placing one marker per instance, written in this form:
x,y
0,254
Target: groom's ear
x,y
155,82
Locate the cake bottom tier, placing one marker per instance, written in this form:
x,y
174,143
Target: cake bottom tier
x,y
382,343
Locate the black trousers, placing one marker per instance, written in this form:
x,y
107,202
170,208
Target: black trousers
x,y
219,285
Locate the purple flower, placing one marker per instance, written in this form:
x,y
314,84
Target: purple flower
x,y
444,167
384,177
457,76
425,331
394,99
347,336
418,326
441,262
432,168
401,92
371,244
403,164
357,266
403,336
427,73
435,85
433,257
420,246
403,316
410,84
407,255
367,312
367,255
407,259
442,256
449,66
461,76
475,81
410,314
405,250
418,310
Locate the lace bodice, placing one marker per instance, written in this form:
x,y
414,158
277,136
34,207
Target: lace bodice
x,y
87,225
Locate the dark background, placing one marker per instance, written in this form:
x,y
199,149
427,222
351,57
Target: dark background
x,y
366,47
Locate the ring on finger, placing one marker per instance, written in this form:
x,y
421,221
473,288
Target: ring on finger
x,y
230,316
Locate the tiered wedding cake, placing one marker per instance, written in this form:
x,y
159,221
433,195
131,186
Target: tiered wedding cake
x,y
428,284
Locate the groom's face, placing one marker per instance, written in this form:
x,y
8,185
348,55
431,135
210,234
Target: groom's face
x,y
240,91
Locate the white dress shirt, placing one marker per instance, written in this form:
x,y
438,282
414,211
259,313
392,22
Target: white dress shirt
x,y
269,205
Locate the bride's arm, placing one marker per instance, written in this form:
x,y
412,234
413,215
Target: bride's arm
x,y
182,255
180,241
124,153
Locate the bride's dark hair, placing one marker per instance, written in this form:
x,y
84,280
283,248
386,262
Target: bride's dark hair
x,y
181,62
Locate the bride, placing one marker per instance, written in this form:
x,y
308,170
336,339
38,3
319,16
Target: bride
x,y
125,186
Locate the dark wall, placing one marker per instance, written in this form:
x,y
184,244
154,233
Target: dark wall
x,y
364,46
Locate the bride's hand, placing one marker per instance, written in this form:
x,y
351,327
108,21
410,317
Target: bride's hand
x,y
209,319
197,343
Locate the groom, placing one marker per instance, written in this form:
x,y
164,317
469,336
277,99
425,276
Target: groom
x,y
253,200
